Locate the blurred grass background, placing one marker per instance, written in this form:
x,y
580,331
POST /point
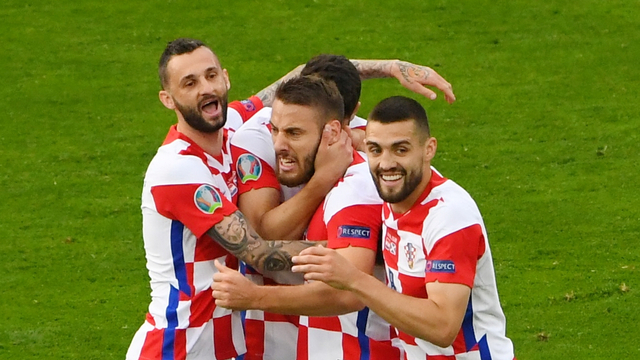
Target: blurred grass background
x,y
544,135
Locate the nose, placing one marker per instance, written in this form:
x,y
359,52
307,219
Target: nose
x,y
206,86
279,142
386,160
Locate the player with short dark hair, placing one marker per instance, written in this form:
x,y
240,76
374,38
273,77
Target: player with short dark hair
x,y
441,295
349,219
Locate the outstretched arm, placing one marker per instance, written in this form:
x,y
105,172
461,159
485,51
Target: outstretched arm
x,y
271,258
268,94
411,76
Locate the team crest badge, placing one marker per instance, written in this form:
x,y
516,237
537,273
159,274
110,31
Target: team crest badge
x,y
410,253
249,168
207,199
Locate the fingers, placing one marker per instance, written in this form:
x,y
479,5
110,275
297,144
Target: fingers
x,y
222,268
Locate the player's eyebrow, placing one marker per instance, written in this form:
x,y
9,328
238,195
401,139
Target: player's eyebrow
x,y
193,76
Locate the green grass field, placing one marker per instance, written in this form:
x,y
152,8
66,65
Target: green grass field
x,y
544,135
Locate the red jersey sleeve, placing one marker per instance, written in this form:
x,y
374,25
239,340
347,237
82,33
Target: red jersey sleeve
x,y
252,171
198,206
454,257
246,108
357,225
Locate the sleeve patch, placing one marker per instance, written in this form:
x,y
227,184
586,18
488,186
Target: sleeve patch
x,y
249,168
441,266
207,199
358,232
248,105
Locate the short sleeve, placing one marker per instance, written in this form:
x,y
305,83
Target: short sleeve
x,y
454,257
357,225
198,206
252,171
247,108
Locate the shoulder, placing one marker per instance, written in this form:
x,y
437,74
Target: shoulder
x,y
356,188
454,210
173,164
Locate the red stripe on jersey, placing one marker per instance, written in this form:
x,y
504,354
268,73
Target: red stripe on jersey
x,y
150,319
180,344
331,323
317,230
413,286
222,337
350,347
463,247
383,350
302,350
152,348
254,337
246,108
202,306
208,249
267,177
459,345
366,217
177,202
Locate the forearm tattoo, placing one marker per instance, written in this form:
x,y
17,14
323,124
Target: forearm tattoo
x,y
235,235
373,69
268,94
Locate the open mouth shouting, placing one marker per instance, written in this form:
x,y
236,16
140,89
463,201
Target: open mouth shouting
x,y
211,106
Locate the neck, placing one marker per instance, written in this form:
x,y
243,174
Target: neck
x,y
406,204
211,143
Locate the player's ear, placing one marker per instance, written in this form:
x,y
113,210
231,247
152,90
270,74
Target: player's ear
x,y
166,99
430,147
334,127
226,79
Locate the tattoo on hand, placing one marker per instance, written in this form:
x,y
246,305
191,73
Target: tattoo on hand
x,y
235,235
410,71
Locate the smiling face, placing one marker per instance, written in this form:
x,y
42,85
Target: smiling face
x,y
296,132
197,88
399,161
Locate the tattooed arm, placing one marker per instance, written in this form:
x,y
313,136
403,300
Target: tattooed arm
x,y
411,76
268,94
271,258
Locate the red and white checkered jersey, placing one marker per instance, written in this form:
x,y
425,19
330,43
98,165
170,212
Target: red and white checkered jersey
x,y
186,191
269,336
349,216
442,238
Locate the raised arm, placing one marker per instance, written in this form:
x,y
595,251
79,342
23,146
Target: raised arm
x,y
268,94
271,258
411,76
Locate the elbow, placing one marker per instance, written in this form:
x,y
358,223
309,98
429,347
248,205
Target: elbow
x,y
445,337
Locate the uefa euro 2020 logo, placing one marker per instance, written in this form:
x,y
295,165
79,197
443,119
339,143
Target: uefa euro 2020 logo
x,y
248,167
207,199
